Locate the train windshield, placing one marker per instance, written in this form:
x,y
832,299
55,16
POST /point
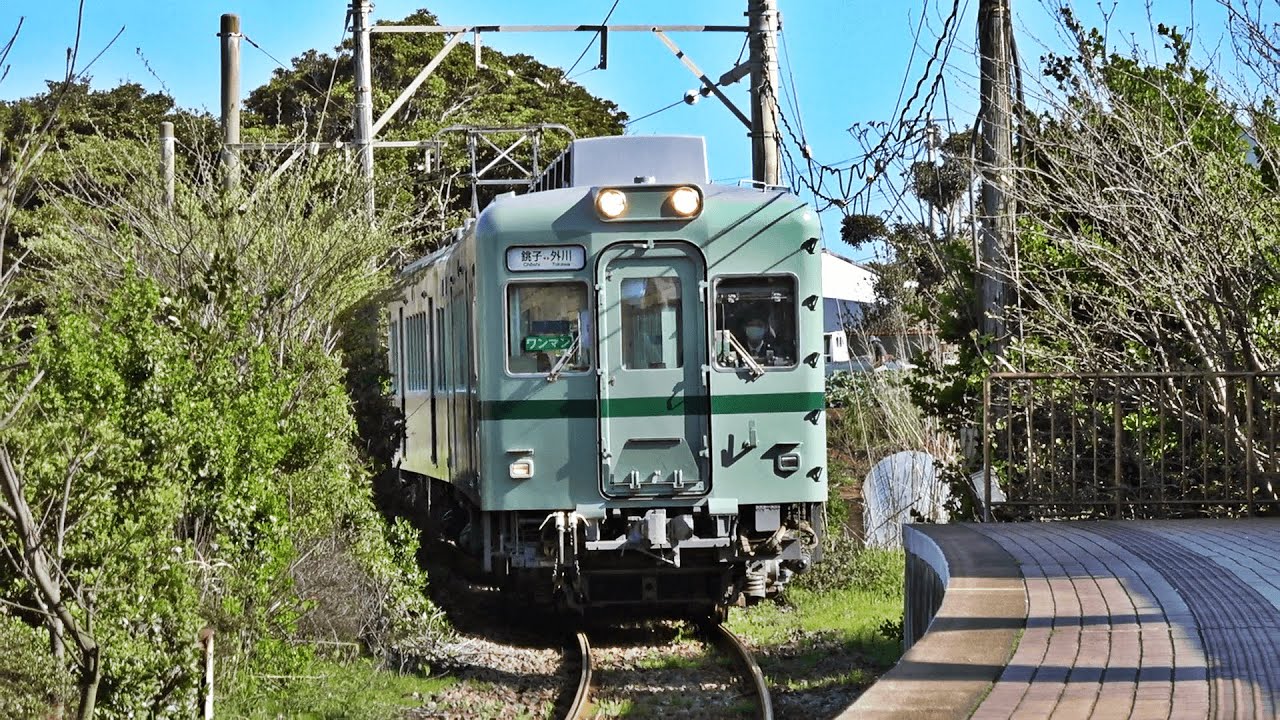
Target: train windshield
x,y
756,322
651,332
549,328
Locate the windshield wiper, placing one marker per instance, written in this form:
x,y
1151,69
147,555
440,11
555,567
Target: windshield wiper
x,y
756,368
564,360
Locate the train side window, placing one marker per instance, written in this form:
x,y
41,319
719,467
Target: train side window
x,y
444,359
548,327
411,341
393,349
415,352
424,349
756,322
410,354
651,332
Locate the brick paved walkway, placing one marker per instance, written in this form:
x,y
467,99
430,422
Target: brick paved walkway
x,y
1173,619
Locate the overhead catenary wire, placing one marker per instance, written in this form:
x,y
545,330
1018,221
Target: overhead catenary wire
x,y
333,74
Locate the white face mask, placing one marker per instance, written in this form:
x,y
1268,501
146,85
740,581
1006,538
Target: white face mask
x,y
755,333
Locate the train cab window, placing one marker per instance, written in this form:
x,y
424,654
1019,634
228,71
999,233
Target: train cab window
x,y
651,336
756,322
549,328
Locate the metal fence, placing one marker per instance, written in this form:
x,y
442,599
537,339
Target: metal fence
x,y
1130,445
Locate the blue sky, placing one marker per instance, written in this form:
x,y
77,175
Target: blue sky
x,y
846,61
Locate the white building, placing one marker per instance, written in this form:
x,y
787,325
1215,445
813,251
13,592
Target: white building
x,y
847,289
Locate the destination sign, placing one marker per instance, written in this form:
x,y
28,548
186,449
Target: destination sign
x,y
546,257
547,343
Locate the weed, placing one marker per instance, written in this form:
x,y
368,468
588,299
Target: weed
x,y
669,662
356,690
611,708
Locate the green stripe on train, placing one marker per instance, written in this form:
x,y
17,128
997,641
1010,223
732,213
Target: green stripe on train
x,y
650,406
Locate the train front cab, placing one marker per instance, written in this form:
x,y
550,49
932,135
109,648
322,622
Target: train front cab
x,y
708,458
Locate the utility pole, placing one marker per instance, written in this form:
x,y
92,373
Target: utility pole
x,y
995,163
931,142
763,22
230,34
360,10
167,161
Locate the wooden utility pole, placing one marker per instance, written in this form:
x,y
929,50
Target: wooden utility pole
x,y
230,33
763,21
996,165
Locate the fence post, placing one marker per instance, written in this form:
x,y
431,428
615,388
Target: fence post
x,y
1117,438
1248,443
986,449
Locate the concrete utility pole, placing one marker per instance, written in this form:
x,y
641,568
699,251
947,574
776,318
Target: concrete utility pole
x,y
995,163
763,21
360,10
931,142
166,160
230,34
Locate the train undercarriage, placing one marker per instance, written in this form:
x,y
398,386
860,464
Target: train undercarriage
x,y
676,560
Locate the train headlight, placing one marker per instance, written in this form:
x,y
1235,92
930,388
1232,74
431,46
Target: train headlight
x,y
522,469
686,201
611,203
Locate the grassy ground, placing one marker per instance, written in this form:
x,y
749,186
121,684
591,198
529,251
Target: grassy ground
x,y
837,638
856,619
331,689
820,644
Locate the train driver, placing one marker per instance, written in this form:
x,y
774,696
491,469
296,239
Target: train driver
x,y
765,347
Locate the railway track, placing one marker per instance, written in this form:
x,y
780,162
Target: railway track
x,y
580,706
582,696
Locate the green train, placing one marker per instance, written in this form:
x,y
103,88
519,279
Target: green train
x,y
612,385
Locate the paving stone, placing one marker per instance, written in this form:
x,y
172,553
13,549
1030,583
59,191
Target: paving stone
x,y
1132,619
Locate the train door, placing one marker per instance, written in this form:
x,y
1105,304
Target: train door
x,y
654,409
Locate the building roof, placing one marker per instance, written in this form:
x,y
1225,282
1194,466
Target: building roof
x,y
844,279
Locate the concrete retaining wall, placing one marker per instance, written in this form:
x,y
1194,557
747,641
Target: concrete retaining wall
x,y
965,606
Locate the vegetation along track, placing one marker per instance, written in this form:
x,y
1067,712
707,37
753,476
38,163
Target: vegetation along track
x,y
580,706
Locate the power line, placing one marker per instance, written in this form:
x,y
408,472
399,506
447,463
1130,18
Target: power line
x,y
791,84
593,40
332,75
880,154
911,60
284,67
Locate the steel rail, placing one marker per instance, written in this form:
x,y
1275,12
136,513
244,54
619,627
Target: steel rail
x,y
722,636
582,697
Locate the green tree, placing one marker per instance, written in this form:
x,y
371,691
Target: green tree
x,y
1147,236
82,131
926,277
180,402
